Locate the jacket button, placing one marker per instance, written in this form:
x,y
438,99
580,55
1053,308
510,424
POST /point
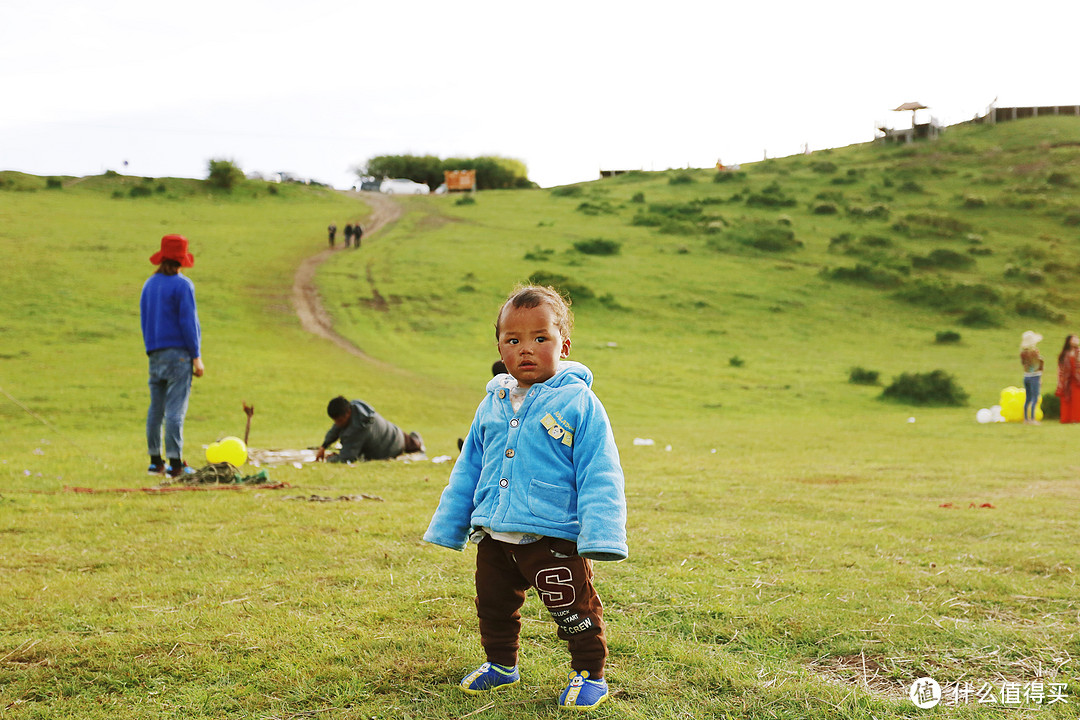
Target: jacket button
x,y
504,482
514,422
510,453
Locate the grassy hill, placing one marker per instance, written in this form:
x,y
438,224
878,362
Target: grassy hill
x,y
801,550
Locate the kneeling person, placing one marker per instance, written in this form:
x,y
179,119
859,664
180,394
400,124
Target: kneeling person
x,y
364,434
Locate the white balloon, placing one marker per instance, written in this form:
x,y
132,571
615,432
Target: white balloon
x,y
984,416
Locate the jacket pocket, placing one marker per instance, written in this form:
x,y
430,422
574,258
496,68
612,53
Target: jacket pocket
x,y
550,502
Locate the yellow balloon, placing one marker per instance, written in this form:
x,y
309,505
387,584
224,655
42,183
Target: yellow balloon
x,y
1012,404
231,450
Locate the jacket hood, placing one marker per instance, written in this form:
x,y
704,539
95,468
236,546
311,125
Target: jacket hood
x,y
569,372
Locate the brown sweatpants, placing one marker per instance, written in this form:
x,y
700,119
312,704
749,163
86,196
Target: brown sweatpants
x,y
504,572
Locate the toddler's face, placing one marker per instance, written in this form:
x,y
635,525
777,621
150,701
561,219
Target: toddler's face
x,y
530,344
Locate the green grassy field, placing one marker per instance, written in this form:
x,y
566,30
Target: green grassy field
x,y
803,549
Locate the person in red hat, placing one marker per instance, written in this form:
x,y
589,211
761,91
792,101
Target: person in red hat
x,y
171,333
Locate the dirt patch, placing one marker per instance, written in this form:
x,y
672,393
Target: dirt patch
x,y
306,300
859,671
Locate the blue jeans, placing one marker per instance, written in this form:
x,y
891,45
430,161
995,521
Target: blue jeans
x,y
1031,398
170,388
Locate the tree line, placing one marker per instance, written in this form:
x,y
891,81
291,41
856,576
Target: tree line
x,y
492,172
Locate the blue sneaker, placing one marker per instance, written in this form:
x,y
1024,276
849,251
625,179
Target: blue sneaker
x,y
489,676
583,693
156,469
181,470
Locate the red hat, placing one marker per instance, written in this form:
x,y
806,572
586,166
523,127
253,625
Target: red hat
x,y
173,247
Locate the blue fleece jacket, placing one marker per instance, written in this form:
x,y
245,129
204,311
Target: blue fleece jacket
x,y
169,316
551,468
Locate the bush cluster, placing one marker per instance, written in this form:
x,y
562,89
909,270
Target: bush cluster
x,y
937,388
572,289
943,258
771,196
946,337
862,376
598,246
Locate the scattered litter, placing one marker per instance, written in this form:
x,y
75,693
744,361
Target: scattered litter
x,y
644,441
713,451
39,451
222,473
613,344
668,448
951,506
323,498
438,459
911,419
298,465
27,473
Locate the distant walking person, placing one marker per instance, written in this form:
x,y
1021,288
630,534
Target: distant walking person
x,y
348,234
1068,388
1032,361
172,336
332,230
357,233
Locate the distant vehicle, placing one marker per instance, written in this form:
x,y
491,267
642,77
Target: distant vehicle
x,y
371,185
442,189
402,186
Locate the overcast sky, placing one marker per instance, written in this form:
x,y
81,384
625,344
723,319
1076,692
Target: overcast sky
x,y
317,87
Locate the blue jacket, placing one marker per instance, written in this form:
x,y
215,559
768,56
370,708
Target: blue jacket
x,y
552,469
169,316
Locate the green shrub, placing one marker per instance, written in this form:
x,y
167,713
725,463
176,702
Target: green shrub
x,y
910,186
736,361
539,254
638,198
771,196
1059,179
936,388
570,288
943,258
724,176
875,241
598,246
603,207
270,188
223,174
981,316
824,167
947,337
862,376
863,274
1051,406
54,183
140,191
938,225
567,191
840,242
943,294
974,202
765,236
825,209
466,199
681,179
1040,310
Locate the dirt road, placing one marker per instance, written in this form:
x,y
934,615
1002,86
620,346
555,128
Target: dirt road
x,y
306,301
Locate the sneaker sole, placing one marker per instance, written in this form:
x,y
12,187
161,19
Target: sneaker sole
x,y
467,691
585,708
